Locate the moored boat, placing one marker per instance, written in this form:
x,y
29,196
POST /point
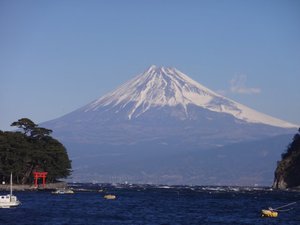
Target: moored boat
x,y
63,191
10,200
110,197
268,213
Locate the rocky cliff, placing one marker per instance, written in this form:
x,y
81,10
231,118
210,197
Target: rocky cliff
x,y
287,174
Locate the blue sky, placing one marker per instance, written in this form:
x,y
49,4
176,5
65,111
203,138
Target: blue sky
x,y
56,56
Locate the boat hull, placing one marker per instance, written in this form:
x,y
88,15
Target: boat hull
x,y
268,213
8,201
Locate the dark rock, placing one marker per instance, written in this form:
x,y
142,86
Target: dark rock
x,y
287,174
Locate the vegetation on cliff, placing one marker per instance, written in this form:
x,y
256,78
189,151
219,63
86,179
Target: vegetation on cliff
x,y
31,150
287,174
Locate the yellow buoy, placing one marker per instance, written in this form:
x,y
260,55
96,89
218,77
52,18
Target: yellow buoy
x,y
110,197
268,213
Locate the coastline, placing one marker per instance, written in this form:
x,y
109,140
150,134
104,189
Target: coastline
x,y
65,185
31,187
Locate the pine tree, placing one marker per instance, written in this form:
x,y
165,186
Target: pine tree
x,y
32,150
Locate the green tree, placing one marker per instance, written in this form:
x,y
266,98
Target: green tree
x,y
40,132
26,124
31,129
287,173
33,150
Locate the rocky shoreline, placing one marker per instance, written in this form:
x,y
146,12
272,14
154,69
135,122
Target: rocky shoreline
x,y
287,173
64,185
31,187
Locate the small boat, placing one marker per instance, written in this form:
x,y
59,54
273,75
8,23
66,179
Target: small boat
x,y
268,213
63,191
110,197
10,200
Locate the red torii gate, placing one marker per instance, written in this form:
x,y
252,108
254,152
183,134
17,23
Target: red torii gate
x,y
38,175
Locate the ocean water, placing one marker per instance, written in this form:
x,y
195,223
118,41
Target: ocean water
x,y
146,204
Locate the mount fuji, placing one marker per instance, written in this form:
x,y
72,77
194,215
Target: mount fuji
x,y
164,127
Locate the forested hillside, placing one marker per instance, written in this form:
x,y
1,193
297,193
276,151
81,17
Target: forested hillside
x,y
287,174
33,149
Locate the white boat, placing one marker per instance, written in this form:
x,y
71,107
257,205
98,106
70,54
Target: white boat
x,y
63,191
10,200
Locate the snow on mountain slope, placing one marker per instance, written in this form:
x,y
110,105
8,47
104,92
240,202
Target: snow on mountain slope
x,y
163,86
164,118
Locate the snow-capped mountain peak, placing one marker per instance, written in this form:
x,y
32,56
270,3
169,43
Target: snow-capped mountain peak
x,y
165,86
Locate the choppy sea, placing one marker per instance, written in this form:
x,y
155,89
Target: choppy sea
x,y
149,204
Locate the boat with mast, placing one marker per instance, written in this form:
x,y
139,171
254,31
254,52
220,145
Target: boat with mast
x,y
10,200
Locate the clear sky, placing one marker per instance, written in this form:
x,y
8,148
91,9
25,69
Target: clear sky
x,y
58,55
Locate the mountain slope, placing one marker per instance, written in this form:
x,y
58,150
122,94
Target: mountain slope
x,y
162,112
165,105
160,86
246,163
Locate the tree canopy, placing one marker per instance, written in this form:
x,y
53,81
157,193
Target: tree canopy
x,y
32,150
288,169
